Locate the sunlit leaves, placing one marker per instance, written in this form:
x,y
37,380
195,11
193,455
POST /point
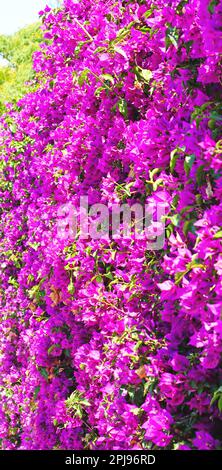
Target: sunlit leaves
x,y
172,37
122,106
175,154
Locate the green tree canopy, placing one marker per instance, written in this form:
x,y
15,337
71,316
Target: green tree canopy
x,y
17,50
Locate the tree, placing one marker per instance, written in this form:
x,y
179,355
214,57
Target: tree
x,y
17,50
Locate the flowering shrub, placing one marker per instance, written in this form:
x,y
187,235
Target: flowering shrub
x,y
108,345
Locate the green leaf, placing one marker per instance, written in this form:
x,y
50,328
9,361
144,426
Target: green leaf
x,y
67,352
173,159
13,282
188,45
219,145
200,175
153,172
188,227
212,5
174,155
169,230
113,254
54,346
157,183
122,105
175,219
76,403
99,90
79,47
43,372
120,51
109,276
71,287
217,396
172,37
180,6
179,277
34,245
123,32
146,388
220,403
36,391
143,74
215,115
196,263
108,77
144,29
13,128
218,235
146,75
136,411
189,160
83,77
99,49
172,40
199,199
148,13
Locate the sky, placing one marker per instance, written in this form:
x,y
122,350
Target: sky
x,y
15,14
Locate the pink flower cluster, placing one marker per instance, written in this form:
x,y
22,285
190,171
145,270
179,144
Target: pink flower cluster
x,y
108,345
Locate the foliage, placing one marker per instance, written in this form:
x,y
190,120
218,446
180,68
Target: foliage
x,y
17,50
104,343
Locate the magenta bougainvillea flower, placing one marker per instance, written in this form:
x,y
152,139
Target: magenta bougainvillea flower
x,y
106,344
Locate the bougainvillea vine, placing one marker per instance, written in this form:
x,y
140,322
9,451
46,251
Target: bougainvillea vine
x,y
108,345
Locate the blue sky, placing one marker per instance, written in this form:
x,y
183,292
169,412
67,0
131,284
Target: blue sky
x,y
14,14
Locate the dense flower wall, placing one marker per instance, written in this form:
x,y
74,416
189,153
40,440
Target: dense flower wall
x,y
108,345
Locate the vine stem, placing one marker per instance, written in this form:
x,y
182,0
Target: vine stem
x,y
101,80
113,306
84,29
